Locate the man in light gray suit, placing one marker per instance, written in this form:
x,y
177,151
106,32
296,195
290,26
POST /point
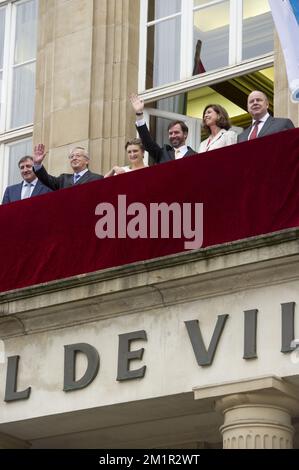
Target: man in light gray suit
x,y
30,185
262,122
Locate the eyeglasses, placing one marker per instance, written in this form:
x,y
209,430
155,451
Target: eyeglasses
x,y
76,155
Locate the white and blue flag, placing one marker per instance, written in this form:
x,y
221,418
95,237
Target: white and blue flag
x,y
286,18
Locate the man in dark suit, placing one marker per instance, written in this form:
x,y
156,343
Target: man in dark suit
x,y
177,134
79,160
30,185
262,122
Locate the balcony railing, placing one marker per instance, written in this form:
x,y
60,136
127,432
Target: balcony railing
x,y
244,190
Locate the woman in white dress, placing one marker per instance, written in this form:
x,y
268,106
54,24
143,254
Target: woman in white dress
x,y
217,123
135,152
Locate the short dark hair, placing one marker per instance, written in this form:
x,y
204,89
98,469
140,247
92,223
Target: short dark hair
x,y
181,123
135,141
23,159
223,120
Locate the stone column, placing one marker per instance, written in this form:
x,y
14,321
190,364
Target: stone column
x,y
256,421
87,65
257,412
115,57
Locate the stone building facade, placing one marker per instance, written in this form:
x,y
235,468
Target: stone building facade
x,y
246,396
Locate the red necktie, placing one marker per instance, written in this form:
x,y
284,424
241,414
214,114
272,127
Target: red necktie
x,y
253,134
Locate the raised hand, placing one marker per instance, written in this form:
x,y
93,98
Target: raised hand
x,y
39,154
118,170
137,103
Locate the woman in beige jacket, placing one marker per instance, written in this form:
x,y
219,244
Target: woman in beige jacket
x,y
217,123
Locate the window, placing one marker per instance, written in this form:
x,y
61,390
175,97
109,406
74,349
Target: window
x,y
210,35
18,37
164,29
189,38
197,52
2,30
257,33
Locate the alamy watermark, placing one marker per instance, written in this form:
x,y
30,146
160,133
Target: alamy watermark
x,y
159,220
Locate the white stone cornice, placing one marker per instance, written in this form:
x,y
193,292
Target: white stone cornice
x,y
185,277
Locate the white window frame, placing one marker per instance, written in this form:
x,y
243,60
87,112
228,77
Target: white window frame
x,y
9,66
188,82
17,134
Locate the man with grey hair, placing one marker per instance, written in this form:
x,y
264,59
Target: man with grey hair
x,y
29,187
79,160
262,122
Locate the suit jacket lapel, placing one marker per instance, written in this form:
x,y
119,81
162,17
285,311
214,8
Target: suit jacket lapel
x,y
83,178
266,126
169,151
36,189
246,133
19,191
217,136
190,152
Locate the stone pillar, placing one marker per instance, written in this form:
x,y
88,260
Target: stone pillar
x,y
256,421
114,77
257,412
87,65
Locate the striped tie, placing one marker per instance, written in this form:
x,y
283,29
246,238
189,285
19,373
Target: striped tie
x,y
76,178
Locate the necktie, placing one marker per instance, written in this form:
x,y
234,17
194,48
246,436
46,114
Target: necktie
x,y
177,153
76,177
253,134
27,190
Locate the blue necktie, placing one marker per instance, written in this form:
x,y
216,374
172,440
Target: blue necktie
x,y
76,177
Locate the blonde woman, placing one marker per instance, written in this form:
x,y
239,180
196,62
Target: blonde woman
x,y
135,152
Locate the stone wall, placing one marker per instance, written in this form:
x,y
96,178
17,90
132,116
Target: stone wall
x,y
87,65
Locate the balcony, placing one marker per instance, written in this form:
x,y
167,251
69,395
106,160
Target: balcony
x,y
62,285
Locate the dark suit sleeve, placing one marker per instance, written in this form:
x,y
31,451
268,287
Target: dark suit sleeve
x,y
150,146
190,152
289,124
243,137
52,182
88,177
94,176
40,188
6,198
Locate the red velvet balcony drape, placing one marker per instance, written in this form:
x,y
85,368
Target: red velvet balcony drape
x,y
247,189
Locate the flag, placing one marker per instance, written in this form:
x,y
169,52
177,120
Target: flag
x,y
286,18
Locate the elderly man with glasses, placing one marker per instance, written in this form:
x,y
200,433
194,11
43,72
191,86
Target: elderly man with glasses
x,y
79,160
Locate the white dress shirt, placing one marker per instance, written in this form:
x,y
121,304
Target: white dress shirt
x,y
180,152
25,185
81,173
